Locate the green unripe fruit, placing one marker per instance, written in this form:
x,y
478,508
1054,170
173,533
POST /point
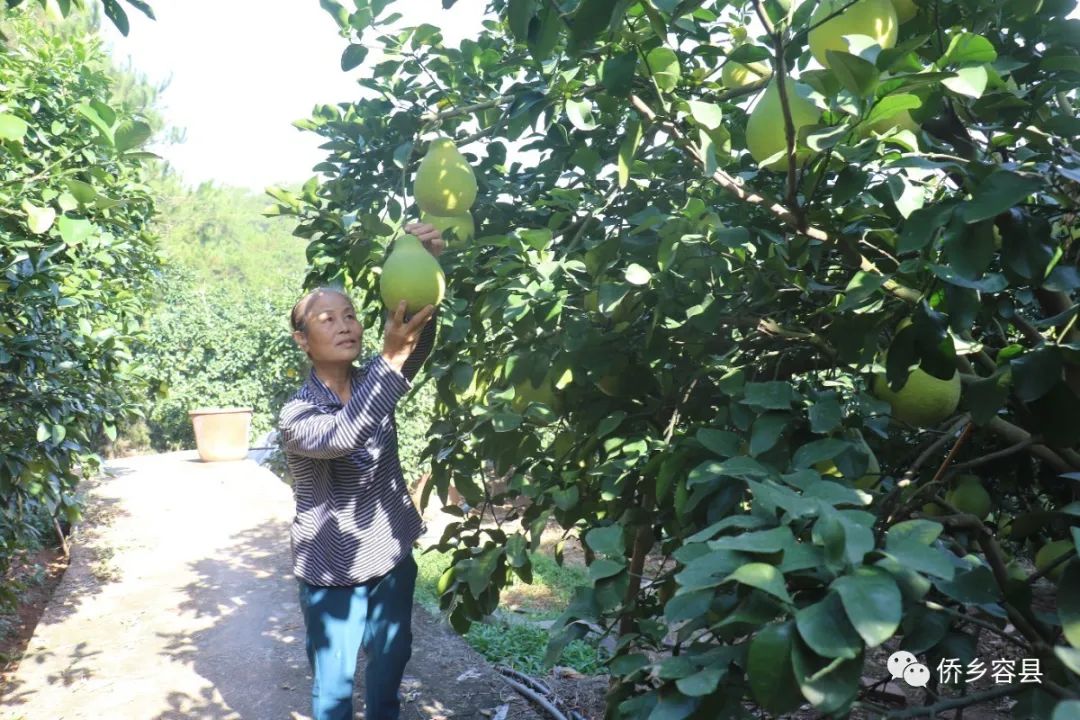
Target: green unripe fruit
x,y
1050,552
875,18
970,497
923,400
1015,571
765,133
905,10
445,184
663,64
453,227
411,274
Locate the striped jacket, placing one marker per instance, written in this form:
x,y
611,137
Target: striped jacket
x,y
355,519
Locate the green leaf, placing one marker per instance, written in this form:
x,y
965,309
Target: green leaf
x,y
39,219
826,630
766,431
119,18
872,602
353,56
748,54
617,74
997,193
1067,709
92,115
773,395
580,114
606,540
519,14
83,192
969,81
42,432
1069,656
922,558
769,669
131,134
765,541
722,442
825,414
708,115
12,127
637,275
890,105
1035,372
921,531
603,568
587,22
74,230
818,450
855,74
674,707
829,685
966,48
1068,600
627,148
701,683
763,577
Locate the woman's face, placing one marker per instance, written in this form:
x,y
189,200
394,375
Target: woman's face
x,y
331,332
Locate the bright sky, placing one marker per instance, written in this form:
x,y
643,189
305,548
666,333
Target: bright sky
x,y
244,70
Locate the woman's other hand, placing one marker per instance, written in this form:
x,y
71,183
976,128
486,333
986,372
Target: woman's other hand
x,y
429,236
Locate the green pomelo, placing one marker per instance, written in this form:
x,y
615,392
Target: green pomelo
x,y
1050,552
411,274
663,65
905,10
736,75
923,400
765,134
453,227
970,497
874,18
445,184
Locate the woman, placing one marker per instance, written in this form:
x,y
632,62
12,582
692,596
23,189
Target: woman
x,y
355,523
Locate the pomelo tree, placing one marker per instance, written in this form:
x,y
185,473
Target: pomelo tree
x,y
78,264
712,330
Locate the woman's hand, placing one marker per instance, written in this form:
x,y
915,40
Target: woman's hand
x,y
400,337
429,236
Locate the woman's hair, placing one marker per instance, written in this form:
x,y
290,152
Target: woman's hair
x,y
299,311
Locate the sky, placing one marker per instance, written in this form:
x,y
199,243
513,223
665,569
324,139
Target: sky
x,y
242,71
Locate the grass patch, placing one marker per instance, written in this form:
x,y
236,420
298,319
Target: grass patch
x,y
520,645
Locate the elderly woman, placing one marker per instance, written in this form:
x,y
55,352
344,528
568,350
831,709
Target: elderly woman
x,y
355,523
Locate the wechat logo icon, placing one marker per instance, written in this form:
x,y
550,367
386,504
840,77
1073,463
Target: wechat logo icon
x,y
903,665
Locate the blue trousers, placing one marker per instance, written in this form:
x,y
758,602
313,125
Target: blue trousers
x,y
376,616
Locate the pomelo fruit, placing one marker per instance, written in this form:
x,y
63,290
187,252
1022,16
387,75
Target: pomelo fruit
x,y
1050,552
411,274
765,134
445,184
905,10
875,18
735,75
923,400
453,227
663,64
970,496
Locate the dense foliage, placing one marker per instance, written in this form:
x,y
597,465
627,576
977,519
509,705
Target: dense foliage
x,y
724,359
78,265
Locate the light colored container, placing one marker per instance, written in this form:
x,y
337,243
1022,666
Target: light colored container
x,y
221,433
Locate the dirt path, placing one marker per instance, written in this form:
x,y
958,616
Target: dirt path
x,y
180,603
